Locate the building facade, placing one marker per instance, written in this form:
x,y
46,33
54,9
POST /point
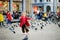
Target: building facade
x,y
46,5
28,6
58,5
11,5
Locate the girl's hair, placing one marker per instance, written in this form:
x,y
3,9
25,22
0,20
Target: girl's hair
x,y
23,13
8,11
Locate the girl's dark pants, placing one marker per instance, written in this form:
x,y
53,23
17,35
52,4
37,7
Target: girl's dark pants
x,y
25,29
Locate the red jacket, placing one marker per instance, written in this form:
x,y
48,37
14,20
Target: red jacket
x,y
24,20
58,14
9,16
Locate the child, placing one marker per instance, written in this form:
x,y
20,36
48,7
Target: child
x,y
8,20
24,24
1,19
9,17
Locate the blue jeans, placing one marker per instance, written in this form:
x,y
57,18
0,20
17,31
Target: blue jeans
x,y
8,21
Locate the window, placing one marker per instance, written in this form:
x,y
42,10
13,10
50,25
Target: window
x,y
35,0
48,8
40,0
59,0
48,0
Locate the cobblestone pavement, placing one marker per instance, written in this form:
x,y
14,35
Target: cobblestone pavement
x,y
49,32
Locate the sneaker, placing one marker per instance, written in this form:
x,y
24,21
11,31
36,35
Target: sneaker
x,y
14,32
41,27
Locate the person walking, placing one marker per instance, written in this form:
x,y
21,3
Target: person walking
x,y
9,18
1,19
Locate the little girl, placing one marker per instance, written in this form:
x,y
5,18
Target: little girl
x,y
24,24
